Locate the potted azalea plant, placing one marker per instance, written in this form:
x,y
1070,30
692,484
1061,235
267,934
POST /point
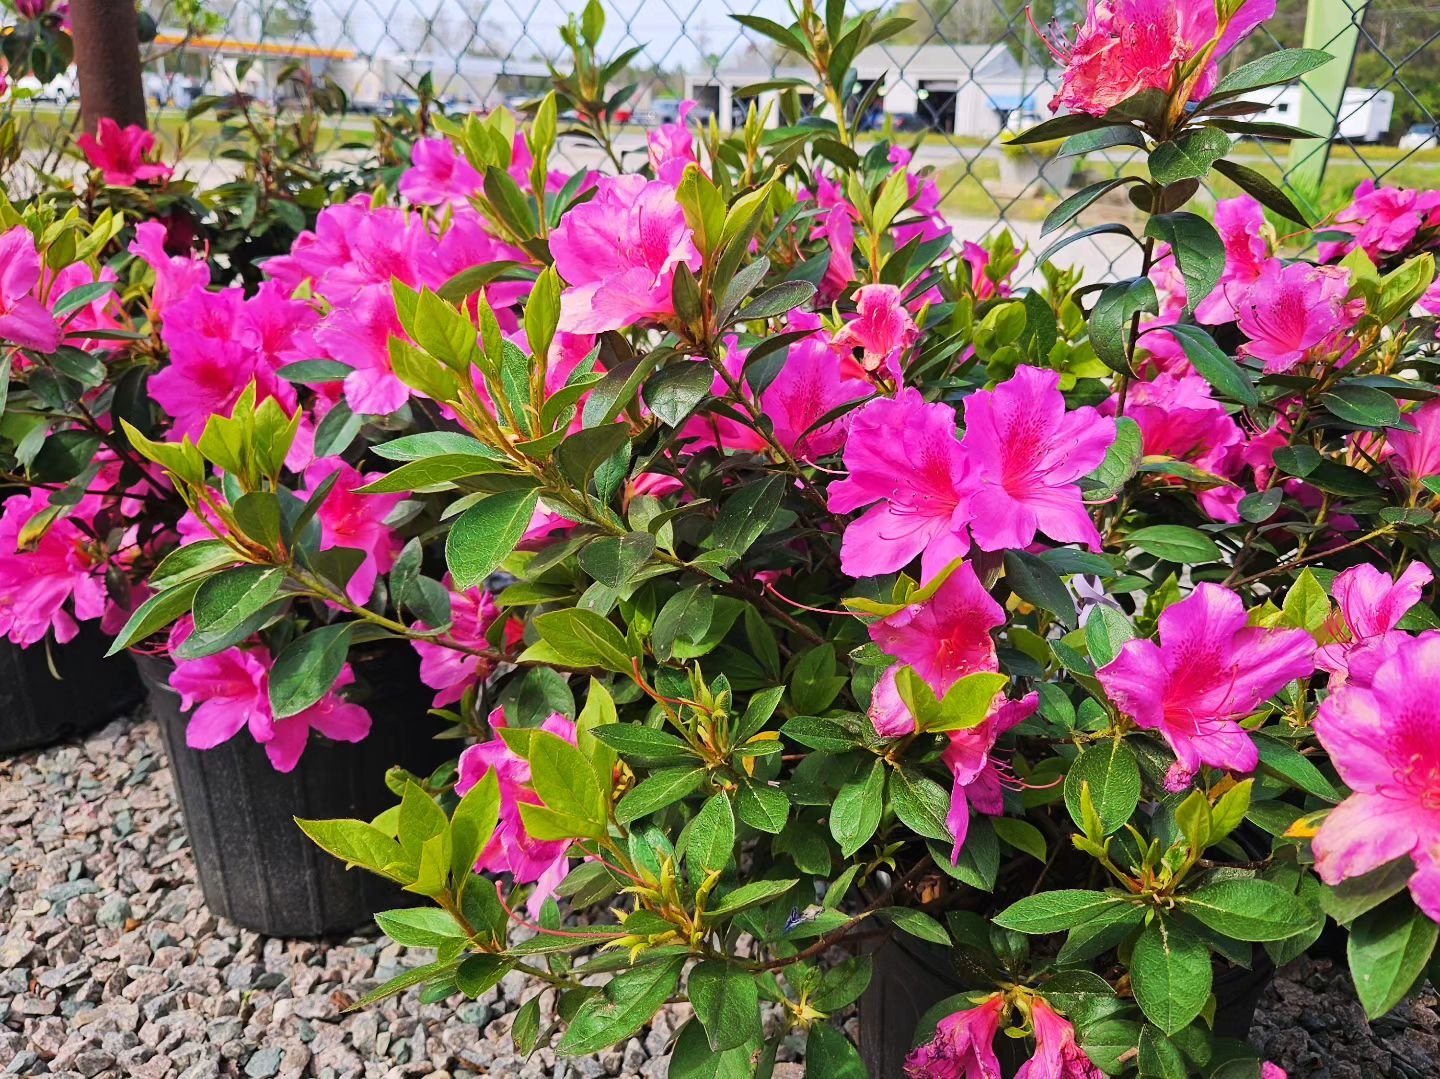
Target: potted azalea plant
x,y
115,335
843,624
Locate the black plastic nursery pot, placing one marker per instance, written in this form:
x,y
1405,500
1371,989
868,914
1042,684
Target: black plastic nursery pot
x,y
910,977
254,865
37,709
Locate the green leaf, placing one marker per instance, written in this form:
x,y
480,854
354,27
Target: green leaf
x,y
1032,579
1111,317
727,1003
441,470
404,980
921,804
225,601
1058,127
1073,205
472,825
357,842
1198,252
1354,896
1121,460
778,299
1364,406
685,616
1249,909
1189,156
763,808
1112,773
157,612
433,444
581,454
1171,973
1022,835
1227,377
419,927
1176,543
1388,951
1262,189
1287,65
307,669
745,515
855,814
709,840
629,1002
750,895
1057,911
1106,630
831,1055
659,790
674,391
1306,604
582,638
566,783
614,560
485,534
477,973
642,743
692,1057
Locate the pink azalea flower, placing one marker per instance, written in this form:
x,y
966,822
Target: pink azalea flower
x,y
356,521
1209,670
1027,454
24,320
513,850
672,147
230,691
904,458
809,386
619,253
1247,239
1127,46
964,1045
215,352
1416,454
62,568
124,155
837,230
1371,606
1057,1056
439,175
1291,308
976,781
1383,736
978,260
881,331
1272,1071
947,636
446,670
1382,221
176,276
358,334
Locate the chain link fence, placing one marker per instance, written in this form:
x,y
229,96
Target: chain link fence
x,y
964,74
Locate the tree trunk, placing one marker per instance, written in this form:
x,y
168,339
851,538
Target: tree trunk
x,y
107,57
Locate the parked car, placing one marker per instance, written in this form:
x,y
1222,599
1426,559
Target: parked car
x,y
1421,137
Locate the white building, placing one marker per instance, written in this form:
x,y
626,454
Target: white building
x,y
958,89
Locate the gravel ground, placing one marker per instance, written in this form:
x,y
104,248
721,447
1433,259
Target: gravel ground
x,y
111,967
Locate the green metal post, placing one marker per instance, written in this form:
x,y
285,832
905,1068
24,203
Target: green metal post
x,y
1334,26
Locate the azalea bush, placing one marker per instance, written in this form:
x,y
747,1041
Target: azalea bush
x,y
805,589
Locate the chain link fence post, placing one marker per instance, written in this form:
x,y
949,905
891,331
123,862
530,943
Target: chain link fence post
x,y
1331,26
107,61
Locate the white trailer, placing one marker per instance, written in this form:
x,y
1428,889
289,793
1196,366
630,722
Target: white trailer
x,y
1364,112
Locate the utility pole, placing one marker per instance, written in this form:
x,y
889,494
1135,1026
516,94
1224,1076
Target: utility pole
x,y
107,58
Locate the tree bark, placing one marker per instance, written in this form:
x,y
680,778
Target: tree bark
x,y
107,58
